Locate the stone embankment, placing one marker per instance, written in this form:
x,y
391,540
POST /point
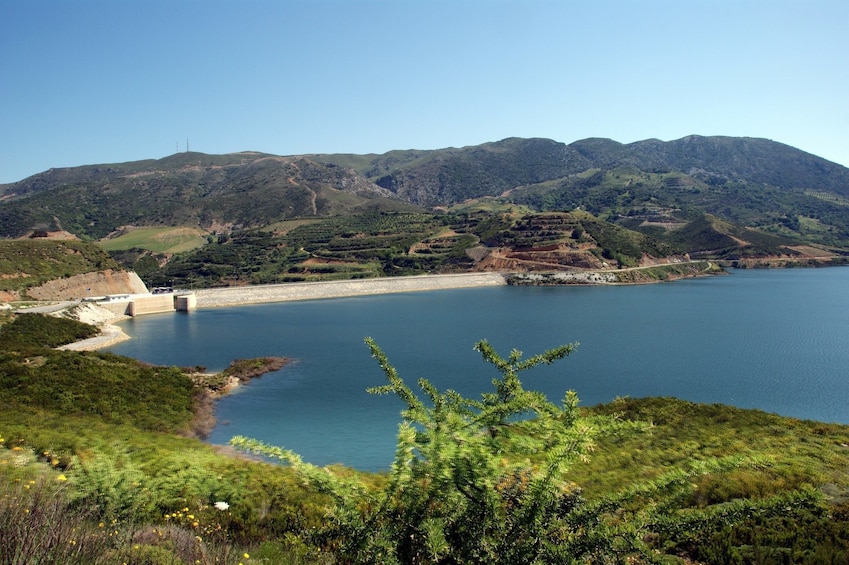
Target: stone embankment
x,y
234,296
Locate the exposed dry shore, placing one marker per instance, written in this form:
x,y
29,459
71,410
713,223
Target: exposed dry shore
x,y
90,313
235,296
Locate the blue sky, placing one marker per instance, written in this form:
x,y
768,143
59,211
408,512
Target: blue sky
x,y
107,81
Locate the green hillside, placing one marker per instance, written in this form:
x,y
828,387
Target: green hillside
x,y
31,262
101,442
394,244
778,201
161,240
189,189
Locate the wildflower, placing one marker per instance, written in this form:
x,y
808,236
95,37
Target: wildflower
x,y
61,478
246,556
221,505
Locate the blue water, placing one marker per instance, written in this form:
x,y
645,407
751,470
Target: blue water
x,y
777,340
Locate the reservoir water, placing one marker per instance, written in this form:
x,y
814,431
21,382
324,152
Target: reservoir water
x,y
776,340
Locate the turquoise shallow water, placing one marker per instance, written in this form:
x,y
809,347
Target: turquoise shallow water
x,y
775,340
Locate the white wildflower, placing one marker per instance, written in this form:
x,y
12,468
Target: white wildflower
x,y
221,505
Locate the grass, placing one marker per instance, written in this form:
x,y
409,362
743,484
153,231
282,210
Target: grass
x,y
158,239
285,226
802,452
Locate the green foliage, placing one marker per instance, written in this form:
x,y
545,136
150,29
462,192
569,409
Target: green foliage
x,y
113,484
158,239
748,182
625,246
488,481
113,388
31,262
192,189
26,331
356,246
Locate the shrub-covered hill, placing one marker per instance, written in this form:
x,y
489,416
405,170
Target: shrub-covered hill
x,y
114,389
30,262
214,192
383,244
105,431
649,185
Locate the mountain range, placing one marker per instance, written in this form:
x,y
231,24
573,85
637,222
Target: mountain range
x,y
702,195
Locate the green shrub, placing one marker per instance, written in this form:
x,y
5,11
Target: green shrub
x,y
28,331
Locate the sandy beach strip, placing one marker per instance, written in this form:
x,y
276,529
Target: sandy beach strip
x,y
109,335
235,296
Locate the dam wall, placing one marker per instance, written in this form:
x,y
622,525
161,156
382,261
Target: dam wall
x,y
234,296
140,304
152,304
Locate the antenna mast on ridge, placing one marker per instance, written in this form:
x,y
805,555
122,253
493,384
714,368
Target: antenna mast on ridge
x,y
187,145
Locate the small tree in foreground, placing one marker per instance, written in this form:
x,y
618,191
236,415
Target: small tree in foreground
x,y
484,481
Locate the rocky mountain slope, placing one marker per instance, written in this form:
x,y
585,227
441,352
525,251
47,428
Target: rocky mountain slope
x,y
729,193
217,192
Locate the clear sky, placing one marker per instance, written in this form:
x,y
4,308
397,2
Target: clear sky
x,y
106,81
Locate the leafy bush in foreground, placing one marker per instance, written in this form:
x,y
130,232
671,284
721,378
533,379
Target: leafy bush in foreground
x,y
495,479
467,486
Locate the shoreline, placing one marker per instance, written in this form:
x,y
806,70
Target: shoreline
x,y
348,288
109,335
213,386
